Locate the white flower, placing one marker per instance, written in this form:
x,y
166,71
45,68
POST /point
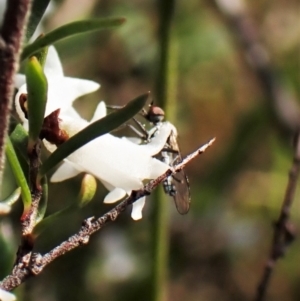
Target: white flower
x,y
62,91
117,162
6,296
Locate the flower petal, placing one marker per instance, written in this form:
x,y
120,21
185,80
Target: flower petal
x,y
63,91
64,172
100,112
22,90
158,142
53,65
6,296
137,208
114,196
134,140
19,80
113,160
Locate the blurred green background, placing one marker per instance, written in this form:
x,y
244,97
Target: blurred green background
x,y
218,250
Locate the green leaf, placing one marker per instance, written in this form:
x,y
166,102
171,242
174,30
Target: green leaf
x,y
19,138
37,11
41,56
94,130
6,204
11,199
18,173
37,88
69,30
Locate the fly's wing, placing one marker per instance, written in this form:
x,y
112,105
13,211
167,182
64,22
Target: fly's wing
x,y
182,196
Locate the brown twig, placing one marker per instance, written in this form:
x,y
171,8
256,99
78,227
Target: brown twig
x,y
287,112
29,218
284,232
11,36
29,266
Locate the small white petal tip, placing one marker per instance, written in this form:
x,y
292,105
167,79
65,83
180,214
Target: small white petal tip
x,y
6,296
114,196
137,208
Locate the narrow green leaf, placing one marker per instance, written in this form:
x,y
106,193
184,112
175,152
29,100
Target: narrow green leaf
x,y
69,30
37,11
41,56
11,199
94,130
43,202
18,173
19,138
37,88
6,204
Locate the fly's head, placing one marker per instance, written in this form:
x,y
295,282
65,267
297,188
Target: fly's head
x,y
154,114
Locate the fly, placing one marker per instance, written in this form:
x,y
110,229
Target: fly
x,y
177,186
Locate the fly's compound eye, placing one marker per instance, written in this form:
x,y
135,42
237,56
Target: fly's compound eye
x,y
155,114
